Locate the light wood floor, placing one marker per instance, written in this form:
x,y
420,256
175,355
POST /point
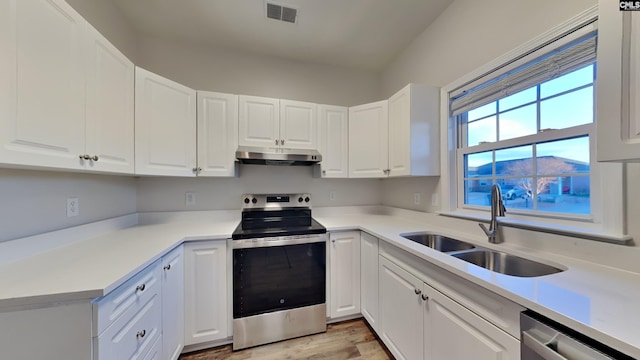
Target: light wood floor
x,y
346,340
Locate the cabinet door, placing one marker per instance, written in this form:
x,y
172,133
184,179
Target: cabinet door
x,y
298,125
109,106
414,131
368,140
369,279
448,325
399,133
205,291
259,121
173,304
45,86
345,273
217,133
618,90
401,311
333,141
165,129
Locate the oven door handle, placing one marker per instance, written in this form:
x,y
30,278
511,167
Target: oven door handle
x,y
278,241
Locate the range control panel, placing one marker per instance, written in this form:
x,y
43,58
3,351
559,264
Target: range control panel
x,y
275,201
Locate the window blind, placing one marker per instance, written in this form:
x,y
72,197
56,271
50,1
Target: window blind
x,y
571,56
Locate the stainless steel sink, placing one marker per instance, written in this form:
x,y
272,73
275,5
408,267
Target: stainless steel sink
x,y
505,263
438,242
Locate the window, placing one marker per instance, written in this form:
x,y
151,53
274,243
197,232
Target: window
x,y
530,129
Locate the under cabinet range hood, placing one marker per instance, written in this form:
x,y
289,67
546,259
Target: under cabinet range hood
x,y
277,156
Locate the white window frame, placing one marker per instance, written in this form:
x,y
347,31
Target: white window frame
x,y
607,219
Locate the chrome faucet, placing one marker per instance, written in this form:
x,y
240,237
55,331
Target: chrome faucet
x,y
497,209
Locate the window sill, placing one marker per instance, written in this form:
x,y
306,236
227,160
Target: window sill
x,y
551,228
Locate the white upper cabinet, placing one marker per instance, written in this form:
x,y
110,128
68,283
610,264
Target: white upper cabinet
x,y
618,90
396,137
67,98
43,92
217,133
267,122
333,141
165,126
109,106
259,122
414,131
298,125
368,140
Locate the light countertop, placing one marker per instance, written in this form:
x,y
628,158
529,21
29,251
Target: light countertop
x,y
598,301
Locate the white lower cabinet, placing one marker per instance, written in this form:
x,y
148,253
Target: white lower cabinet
x,y
369,279
454,332
401,311
172,304
419,322
344,254
206,311
156,351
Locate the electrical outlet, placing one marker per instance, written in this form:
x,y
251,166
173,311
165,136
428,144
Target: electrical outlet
x,y
416,198
73,207
332,195
434,199
190,198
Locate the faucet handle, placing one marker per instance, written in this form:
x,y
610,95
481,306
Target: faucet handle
x,y
502,209
484,228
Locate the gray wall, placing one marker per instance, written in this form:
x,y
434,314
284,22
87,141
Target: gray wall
x,y
32,202
109,21
467,35
231,71
168,194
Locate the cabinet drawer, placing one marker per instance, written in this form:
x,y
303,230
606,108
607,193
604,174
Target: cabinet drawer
x,y
131,338
127,299
156,351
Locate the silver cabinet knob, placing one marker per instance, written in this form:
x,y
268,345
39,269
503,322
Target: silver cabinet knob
x,y
141,287
282,142
425,297
141,334
276,141
167,267
417,291
95,158
85,157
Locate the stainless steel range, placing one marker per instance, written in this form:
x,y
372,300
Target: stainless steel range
x,y
279,270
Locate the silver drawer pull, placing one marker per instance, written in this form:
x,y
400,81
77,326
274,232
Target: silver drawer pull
x,y
141,287
141,334
417,291
425,297
167,267
542,349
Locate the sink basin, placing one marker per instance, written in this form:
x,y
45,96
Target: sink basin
x,y
506,264
438,242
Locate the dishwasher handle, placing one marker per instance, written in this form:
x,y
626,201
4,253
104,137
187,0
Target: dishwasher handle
x,y
540,348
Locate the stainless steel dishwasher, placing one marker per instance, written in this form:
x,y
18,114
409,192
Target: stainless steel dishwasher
x,y
544,339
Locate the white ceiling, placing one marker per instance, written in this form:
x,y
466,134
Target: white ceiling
x,y
364,34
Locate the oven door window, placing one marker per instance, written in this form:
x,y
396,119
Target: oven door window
x,y
268,279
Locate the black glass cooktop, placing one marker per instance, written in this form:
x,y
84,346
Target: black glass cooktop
x,y
277,228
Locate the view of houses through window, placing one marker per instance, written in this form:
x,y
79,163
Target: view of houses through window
x,y
548,170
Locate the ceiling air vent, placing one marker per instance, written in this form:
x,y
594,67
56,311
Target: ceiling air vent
x,y
282,13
